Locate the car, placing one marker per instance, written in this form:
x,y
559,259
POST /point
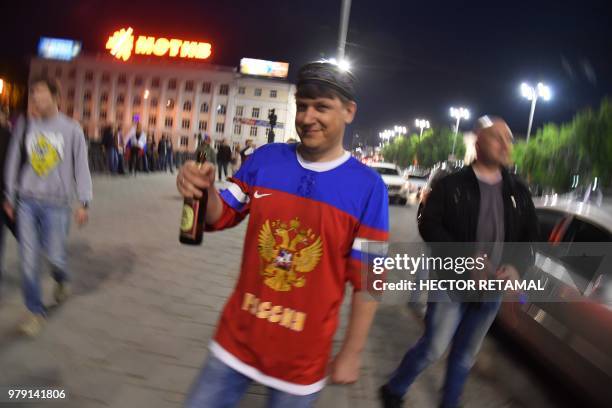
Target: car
x,y
416,183
397,186
574,337
437,172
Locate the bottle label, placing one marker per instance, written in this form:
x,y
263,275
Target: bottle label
x,y
187,219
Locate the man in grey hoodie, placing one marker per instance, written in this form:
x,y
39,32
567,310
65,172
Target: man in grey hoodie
x,y
46,171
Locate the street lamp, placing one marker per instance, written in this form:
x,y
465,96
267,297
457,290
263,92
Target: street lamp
x,y
532,94
458,113
400,130
386,134
343,64
423,124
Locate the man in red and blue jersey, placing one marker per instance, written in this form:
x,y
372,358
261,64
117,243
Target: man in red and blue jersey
x,y
313,211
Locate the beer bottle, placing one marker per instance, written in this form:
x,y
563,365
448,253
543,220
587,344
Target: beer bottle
x,y
194,213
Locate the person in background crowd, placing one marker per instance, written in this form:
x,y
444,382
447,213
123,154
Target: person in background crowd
x,y
224,157
236,160
142,143
5,139
170,148
162,154
110,149
120,146
151,152
248,149
47,169
209,151
136,141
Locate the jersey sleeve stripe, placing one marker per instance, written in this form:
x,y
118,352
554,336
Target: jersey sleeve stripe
x,y
373,234
370,246
231,200
364,257
237,192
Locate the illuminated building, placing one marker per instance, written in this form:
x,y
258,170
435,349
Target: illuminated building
x,y
170,91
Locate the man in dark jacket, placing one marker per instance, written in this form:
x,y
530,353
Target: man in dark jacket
x,y
110,148
482,206
224,157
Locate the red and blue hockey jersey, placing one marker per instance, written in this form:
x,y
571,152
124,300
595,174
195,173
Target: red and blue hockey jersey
x,y
307,226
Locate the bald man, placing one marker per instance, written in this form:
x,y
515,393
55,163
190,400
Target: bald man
x,y
482,206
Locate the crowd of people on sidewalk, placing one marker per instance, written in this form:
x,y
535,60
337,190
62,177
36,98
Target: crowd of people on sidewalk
x,y
139,151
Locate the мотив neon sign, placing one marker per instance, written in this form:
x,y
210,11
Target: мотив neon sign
x,y
121,45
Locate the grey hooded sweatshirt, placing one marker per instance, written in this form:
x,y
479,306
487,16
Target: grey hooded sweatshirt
x,y
55,169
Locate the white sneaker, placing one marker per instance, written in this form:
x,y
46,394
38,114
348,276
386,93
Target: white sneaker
x,y
32,324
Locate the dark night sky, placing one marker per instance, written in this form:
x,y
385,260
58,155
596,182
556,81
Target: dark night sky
x,y
412,58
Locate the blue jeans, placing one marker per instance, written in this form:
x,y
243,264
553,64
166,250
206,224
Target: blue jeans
x,y
41,226
465,325
112,159
220,386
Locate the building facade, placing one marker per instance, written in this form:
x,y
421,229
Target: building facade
x,y
173,98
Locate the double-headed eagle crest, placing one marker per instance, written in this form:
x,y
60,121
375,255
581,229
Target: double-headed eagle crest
x,y
287,252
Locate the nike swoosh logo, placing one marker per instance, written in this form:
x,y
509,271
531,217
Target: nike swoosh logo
x,y
257,195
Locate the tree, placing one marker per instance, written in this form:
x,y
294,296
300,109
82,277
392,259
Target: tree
x,y
582,147
434,146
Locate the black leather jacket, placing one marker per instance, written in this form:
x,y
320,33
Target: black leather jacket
x,y
451,214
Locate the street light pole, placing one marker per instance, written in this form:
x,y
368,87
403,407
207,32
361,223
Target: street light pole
x,y
455,137
532,94
533,105
344,20
459,113
423,124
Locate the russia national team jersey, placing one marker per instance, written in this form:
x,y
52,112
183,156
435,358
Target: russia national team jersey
x,y
303,243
